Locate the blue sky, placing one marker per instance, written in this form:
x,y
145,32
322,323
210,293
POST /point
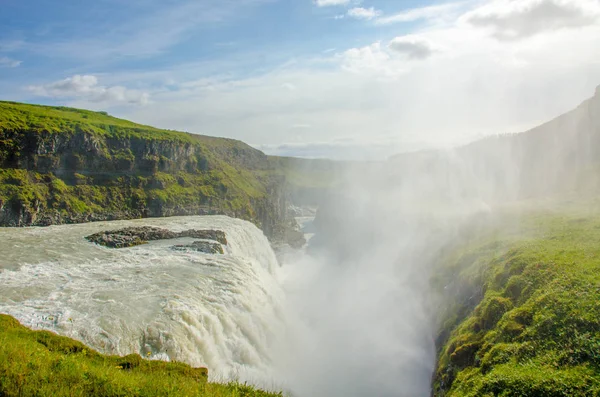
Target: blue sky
x,y
52,39
315,78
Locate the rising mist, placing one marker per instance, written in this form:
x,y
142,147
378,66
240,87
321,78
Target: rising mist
x,y
366,311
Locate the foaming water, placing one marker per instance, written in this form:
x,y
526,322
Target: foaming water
x,y
219,311
362,322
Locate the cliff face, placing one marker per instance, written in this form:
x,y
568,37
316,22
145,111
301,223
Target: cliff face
x,y
61,165
87,153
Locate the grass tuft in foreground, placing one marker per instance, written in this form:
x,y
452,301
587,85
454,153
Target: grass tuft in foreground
x,y
41,363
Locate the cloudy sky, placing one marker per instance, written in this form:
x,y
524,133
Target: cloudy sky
x,y
313,78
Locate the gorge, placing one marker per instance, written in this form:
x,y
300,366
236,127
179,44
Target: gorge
x,y
466,272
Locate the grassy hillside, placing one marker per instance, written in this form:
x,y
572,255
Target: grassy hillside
x,y
63,165
60,119
524,317
40,363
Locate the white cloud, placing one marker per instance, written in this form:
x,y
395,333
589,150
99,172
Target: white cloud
x,y
412,47
387,62
380,96
86,87
380,93
371,59
9,62
415,14
513,20
474,88
363,13
328,3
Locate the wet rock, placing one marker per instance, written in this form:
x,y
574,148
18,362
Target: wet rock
x,y
132,236
216,235
201,246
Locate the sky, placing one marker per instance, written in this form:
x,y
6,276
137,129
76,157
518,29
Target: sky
x,y
344,79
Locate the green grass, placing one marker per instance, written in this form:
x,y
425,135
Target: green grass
x,y
63,165
129,168
58,119
40,363
15,116
525,317
128,174
128,195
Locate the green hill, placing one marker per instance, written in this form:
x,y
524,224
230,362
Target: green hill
x,y
557,157
64,165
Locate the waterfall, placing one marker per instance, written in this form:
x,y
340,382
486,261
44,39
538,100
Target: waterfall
x,y
219,311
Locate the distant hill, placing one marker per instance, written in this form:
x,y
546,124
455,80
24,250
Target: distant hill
x,y
562,155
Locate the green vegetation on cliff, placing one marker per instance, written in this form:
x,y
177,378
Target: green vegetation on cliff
x,y
525,313
41,363
58,119
64,165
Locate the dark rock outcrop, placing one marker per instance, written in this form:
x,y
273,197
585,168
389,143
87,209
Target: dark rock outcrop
x,y
133,236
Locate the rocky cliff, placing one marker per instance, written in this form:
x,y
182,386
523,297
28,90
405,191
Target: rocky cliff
x,y
62,165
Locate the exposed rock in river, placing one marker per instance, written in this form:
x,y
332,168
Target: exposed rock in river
x,y
132,236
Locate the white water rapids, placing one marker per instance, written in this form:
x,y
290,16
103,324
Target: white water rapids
x,y
220,311
324,325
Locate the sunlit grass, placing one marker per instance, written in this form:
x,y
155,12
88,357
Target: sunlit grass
x,y
525,317
40,363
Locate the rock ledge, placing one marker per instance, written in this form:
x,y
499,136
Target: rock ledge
x,y
132,236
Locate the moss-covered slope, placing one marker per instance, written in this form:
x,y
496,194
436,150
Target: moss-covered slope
x,y
63,165
525,313
40,363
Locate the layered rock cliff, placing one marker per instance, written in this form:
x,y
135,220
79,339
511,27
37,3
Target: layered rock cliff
x,y
62,165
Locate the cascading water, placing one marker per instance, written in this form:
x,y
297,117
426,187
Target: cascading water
x,y
351,320
219,311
